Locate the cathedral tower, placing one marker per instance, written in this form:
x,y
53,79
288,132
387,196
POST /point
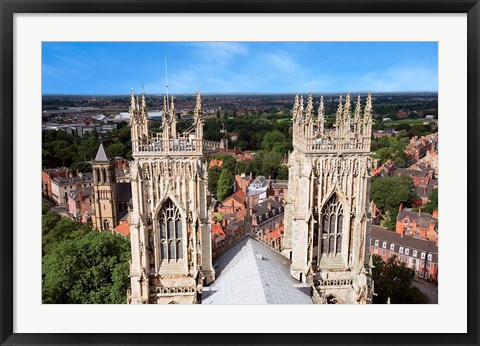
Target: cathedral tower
x,y
327,221
104,191
169,228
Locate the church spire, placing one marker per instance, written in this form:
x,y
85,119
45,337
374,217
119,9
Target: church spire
x,y
296,106
309,109
347,114
144,108
144,103
358,113
131,110
173,119
197,113
300,111
339,115
321,117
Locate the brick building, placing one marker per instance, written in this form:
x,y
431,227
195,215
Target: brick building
x,y
417,224
385,170
48,175
80,204
421,255
62,186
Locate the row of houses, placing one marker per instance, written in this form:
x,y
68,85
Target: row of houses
x,y
421,255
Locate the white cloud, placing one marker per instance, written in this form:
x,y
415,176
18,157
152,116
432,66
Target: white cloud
x,y
399,78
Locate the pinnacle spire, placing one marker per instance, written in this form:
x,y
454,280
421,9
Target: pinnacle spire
x,y
132,101
309,109
347,107
164,113
358,109
296,106
338,118
198,106
300,110
321,116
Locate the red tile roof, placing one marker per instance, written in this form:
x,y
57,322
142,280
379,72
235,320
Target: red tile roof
x,y
123,229
276,233
217,230
238,196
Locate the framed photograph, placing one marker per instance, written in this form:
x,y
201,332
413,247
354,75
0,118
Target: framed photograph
x,y
266,160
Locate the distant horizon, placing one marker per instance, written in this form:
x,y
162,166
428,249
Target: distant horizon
x,y
114,68
251,93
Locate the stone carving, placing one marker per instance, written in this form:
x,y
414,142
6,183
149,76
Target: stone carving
x,y
339,161
163,169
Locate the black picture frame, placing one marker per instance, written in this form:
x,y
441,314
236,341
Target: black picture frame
x,y
10,7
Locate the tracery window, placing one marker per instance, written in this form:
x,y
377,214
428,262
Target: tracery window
x,y
331,224
171,237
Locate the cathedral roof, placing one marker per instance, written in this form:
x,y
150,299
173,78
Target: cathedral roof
x,y
101,154
252,273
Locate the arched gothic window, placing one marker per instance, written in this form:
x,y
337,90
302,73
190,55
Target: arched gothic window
x,y
331,224
171,236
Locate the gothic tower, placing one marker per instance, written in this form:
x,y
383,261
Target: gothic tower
x,y
104,191
169,228
327,221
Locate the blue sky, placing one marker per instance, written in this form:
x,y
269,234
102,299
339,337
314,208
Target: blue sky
x,y
102,68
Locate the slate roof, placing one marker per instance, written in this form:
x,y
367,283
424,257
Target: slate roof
x,y
423,220
86,192
411,172
86,177
252,273
101,154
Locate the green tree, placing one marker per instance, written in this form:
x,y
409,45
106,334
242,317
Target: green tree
x,y
432,203
45,208
282,172
275,141
389,192
271,164
90,269
225,185
392,280
116,149
213,175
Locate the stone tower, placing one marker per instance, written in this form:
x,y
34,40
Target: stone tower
x,y
327,222
169,228
104,191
